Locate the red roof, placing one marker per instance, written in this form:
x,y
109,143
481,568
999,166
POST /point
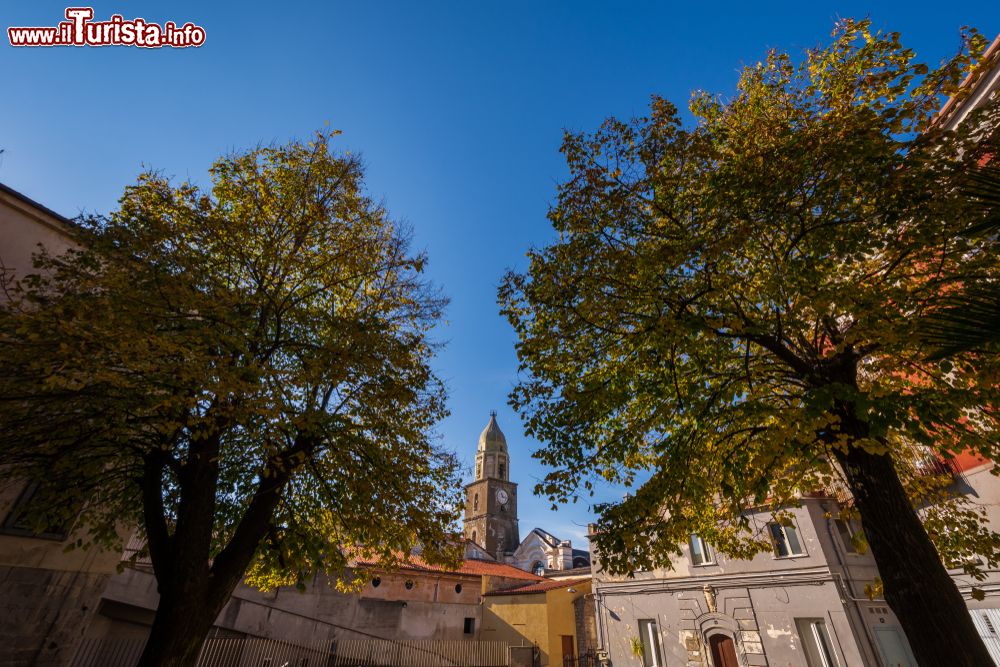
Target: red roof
x,y
478,568
971,80
491,569
539,587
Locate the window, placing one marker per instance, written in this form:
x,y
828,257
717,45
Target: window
x,y
470,625
988,624
458,588
649,635
502,470
847,531
409,584
816,642
475,503
538,568
701,552
376,582
474,537
785,539
15,522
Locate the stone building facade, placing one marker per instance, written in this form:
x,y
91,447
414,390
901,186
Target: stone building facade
x,y
417,602
542,552
491,498
491,514
800,605
584,614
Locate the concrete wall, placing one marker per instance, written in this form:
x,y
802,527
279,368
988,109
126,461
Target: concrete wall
x,y
431,609
45,613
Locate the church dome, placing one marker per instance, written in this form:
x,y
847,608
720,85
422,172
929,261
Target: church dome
x,y
492,438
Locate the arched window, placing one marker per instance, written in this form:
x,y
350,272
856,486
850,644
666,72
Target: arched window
x,y
474,537
538,568
475,504
502,470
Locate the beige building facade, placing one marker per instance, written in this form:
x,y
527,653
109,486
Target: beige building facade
x,y
544,615
47,594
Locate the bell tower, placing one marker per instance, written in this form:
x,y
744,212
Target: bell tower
x,y
491,498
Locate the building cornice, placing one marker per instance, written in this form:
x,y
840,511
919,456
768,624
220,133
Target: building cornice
x,y
805,576
491,479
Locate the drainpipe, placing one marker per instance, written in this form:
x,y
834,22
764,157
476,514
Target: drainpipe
x,y
845,590
603,654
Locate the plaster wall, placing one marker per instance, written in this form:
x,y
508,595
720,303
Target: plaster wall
x,y
22,228
541,618
562,618
754,601
431,609
519,620
47,594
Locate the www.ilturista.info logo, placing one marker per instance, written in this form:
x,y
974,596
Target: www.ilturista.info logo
x,y
81,30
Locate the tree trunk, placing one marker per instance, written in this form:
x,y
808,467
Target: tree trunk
x,y
916,584
179,629
194,592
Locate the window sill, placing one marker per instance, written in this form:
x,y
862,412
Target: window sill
x,y
791,557
22,532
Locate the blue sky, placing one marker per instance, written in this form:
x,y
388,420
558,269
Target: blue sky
x,y
457,107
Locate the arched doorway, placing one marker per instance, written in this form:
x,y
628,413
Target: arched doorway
x,y
723,651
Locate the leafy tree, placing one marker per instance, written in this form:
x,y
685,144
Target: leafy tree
x,y
730,308
244,373
970,318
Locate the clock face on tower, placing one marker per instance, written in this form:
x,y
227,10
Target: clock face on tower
x,y
502,496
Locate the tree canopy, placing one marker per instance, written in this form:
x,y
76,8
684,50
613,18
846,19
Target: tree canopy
x,y
242,372
730,307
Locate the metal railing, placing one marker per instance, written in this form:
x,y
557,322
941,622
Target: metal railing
x,y
261,652
586,659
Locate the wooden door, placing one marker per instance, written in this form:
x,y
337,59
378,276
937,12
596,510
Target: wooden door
x,y
723,651
567,651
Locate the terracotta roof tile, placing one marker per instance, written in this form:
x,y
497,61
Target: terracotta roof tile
x,y
472,567
539,587
971,80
